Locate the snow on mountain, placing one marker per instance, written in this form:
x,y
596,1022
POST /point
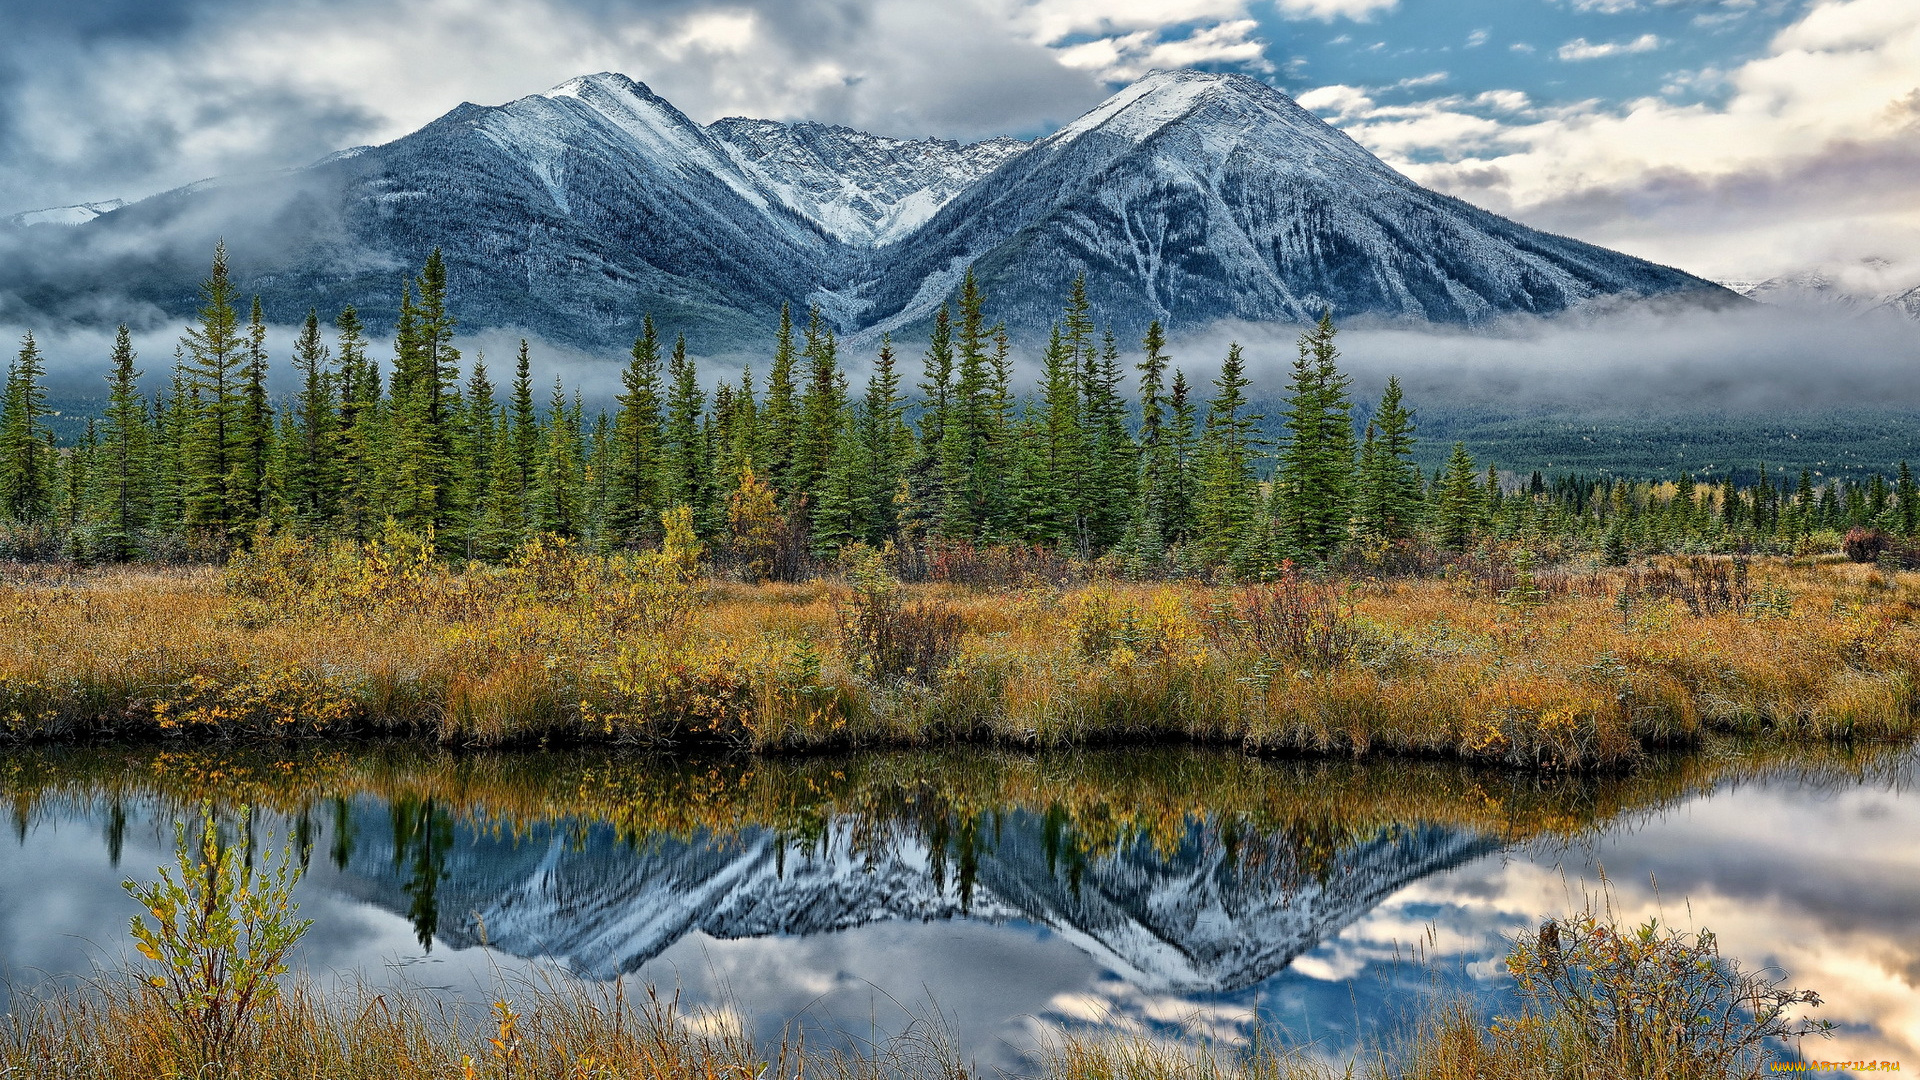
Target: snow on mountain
x,y
1192,196
1212,914
1872,285
67,215
862,189
1187,197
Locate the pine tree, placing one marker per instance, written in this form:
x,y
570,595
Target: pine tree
x,y
821,412
1227,497
1314,488
312,455
524,438
1461,505
1113,461
1906,501
635,498
684,454
26,465
556,496
124,463
967,481
1387,502
887,445
782,415
251,464
1061,476
923,475
359,389
215,376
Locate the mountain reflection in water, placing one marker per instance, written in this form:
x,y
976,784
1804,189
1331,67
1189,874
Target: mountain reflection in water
x,y
1175,878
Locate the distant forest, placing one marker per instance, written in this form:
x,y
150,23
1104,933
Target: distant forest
x,y
1179,479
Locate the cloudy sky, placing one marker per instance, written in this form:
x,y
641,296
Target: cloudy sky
x,y
1731,137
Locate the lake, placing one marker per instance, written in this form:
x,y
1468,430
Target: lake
x,y
1007,896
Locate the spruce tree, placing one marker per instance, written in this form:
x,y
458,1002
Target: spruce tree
x,y
1460,508
1907,501
312,455
1060,481
1314,487
1388,499
633,515
252,466
684,455
1226,497
886,445
557,487
936,391
1113,460
215,373
821,412
124,463
1149,529
969,487
782,416
359,390
26,465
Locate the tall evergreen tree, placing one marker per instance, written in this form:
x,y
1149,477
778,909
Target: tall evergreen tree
x,y
1460,512
124,463
782,414
968,484
1387,502
685,448
1226,497
1314,487
635,498
312,454
26,465
215,374
1906,501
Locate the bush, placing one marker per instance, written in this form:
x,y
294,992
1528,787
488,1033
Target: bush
x,y
1295,619
1865,545
218,942
1709,587
1645,1002
882,637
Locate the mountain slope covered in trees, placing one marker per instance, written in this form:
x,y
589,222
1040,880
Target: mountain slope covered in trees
x,y
1186,198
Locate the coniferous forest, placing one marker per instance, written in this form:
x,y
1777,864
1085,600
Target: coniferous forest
x,y
1114,455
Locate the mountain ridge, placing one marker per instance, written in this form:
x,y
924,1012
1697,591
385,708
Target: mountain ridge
x,y
1187,197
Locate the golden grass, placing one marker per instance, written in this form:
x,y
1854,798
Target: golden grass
x,y
584,654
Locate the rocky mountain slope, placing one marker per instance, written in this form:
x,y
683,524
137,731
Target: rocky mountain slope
x,y
1188,197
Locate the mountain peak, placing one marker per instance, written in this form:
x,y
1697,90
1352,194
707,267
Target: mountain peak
x,y
1162,98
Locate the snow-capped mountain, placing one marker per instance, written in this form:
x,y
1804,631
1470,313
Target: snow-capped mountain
x,y
78,214
1212,914
1868,286
1187,197
861,189
1191,197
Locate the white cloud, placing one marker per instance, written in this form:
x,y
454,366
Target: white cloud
x,y
1476,39
1811,153
1358,10
1130,56
1582,49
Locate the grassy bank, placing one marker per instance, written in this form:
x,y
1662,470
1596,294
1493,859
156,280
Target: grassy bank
x,y
1501,664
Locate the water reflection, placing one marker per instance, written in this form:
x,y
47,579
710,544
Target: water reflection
x,y
1018,892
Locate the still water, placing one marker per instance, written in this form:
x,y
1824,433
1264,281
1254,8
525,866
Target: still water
x,y
1171,892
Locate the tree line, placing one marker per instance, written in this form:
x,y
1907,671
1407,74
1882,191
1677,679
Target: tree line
x,y
1174,478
